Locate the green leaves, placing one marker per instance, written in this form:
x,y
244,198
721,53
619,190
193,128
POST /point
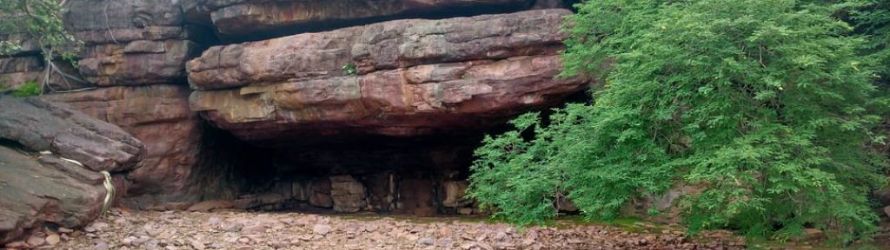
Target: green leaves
x,y
761,105
29,88
36,21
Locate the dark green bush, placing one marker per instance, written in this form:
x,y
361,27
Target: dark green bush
x,y
758,103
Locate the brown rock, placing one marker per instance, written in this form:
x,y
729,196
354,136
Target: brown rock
x,y
321,229
34,193
242,17
52,239
414,77
454,192
206,206
320,193
136,63
416,197
347,194
564,204
109,21
135,42
159,116
24,68
35,241
388,45
300,190
46,126
381,190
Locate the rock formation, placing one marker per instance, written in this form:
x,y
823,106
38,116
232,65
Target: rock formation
x,y
131,42
45,126
159,116
344,105
397,78
64,186
133,66
240,17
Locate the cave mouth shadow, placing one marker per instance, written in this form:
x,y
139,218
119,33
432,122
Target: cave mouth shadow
x,y
424,175
420,175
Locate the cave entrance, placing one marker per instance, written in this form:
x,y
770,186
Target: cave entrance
x,y
421,176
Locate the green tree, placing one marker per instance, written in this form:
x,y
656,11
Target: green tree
x,y
37,21
758,104
872,19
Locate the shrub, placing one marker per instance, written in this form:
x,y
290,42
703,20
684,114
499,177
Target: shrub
x,y
759,103
29,88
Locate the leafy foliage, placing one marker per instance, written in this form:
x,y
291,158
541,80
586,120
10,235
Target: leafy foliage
x,y
29,88
757,104
37,21
349,69
872,19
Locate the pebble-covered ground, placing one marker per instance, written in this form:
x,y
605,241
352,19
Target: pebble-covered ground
x,y
243,230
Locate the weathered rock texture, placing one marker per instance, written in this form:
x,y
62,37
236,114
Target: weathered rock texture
x,y
242,17
397,78
64,186
45,126
405,176
45,189
159,116
16,71
131,42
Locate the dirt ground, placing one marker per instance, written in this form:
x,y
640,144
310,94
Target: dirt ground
x,y
123,229
245,230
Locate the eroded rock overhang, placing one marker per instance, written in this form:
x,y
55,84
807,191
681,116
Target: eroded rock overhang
x,y
398,78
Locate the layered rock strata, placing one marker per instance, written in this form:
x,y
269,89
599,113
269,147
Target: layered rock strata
x,y
241,17
397,78
131,42
133,59
61,184
159,116
46,126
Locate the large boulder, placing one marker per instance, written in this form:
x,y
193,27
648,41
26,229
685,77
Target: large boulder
x,y
61,186
131,42
46,126
160,117
397,78
45,189
243,17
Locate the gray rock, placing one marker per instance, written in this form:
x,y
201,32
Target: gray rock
x,y
347,194
44,126
321,229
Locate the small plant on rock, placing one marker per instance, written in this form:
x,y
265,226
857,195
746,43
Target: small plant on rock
x,y
29,88
350,69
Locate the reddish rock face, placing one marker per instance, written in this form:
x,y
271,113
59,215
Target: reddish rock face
x,y
157,115
242,17
137,42
15,71
399,78
136,63
43,126
63,186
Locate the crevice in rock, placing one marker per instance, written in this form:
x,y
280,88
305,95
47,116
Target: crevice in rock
x,y
337,24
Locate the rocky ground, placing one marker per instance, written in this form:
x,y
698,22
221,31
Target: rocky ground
x,y
243,230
